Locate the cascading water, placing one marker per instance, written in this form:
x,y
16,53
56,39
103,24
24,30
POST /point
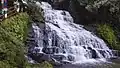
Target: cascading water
x,y
64,40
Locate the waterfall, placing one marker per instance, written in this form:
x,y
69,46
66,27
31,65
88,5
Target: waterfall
x,y
64,40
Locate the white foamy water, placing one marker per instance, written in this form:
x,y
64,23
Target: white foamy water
x,y
67,39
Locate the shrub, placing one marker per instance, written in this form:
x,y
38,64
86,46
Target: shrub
x,y
108,34
12,31
40,65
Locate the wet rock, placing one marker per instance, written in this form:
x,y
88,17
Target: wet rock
x,y
102,52
39,57
31,35
55,63
119,53
63,13
48,50
114,59
65,62
94,54
59,57
30,39
116,53
61,4
71,58
51,50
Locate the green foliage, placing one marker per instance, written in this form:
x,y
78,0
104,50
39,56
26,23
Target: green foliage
x,y
41,65
46,65
108,34
12,50
16,25
12,32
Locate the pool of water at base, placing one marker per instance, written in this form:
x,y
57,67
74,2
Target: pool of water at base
x,y
114,63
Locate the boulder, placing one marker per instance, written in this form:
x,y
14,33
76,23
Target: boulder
x,y
59,57
39,57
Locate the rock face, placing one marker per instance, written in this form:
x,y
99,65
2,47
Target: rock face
x,y
100,10
80,14
90,10
61,4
